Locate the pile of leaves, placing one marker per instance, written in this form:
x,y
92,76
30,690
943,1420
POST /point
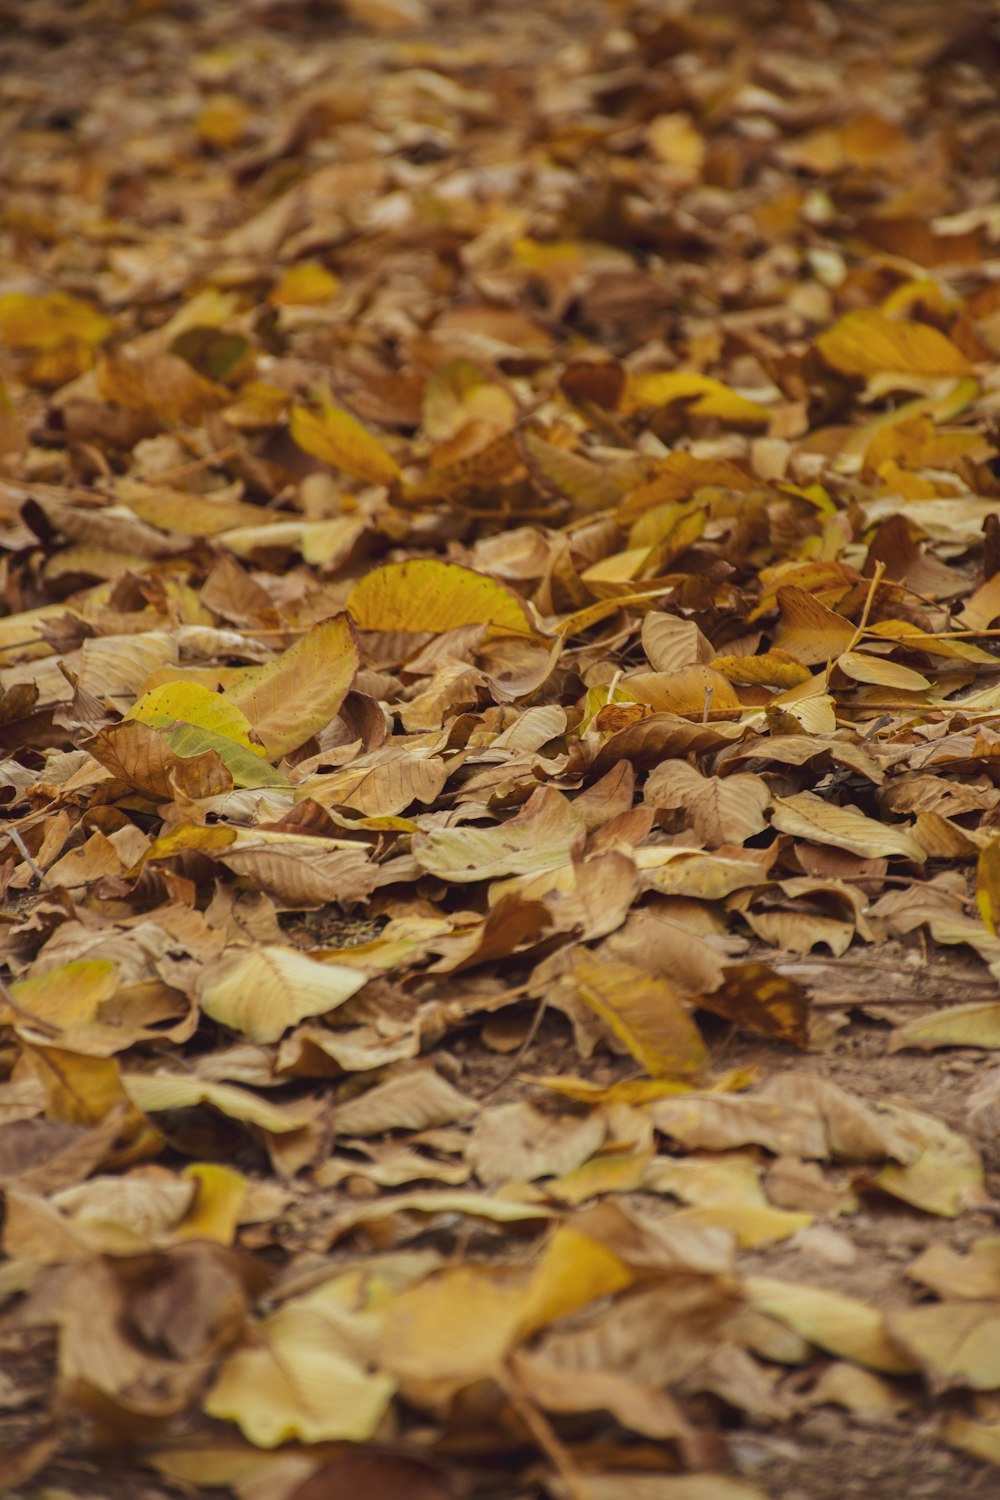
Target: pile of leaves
x,y
499,711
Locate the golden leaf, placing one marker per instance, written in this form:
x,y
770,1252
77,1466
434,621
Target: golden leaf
x,y
339,439
840,1325
427,595
866,342
643,1012
46,321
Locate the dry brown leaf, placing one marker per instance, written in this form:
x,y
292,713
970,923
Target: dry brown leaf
x,y
413,1100
517,1143
541,837
720,810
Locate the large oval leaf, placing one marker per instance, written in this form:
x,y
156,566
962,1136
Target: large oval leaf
x,y
428,595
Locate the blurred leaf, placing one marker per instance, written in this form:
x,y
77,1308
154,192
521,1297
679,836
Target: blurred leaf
x,y
305,1374
46,321
339,439
840,1325
866,342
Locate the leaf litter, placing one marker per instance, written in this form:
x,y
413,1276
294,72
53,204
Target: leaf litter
x,y
497,704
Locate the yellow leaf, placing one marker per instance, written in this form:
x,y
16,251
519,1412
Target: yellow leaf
x,y
696,692
62,998
988,884
190,703
80,1090
705,1181
981,1439
705,397
974,1025
304,285
428,595
261,992
222,121
459,393
453,1329
867,342
47,321
679,871
753,1224
339,439
643,1012
154,1092
219,1197
305,1374
862,667
954,1343
676,140
293,697
245,764
574,1271
840,1325
945,1174
776,668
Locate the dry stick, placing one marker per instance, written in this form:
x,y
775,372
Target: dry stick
x,y
229,451
521,1051
859,632
540,1428
16,838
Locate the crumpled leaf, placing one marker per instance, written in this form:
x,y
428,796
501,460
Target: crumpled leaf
x,y
540,837
517,1143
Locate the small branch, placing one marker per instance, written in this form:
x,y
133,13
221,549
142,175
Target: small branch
x,y
550,1444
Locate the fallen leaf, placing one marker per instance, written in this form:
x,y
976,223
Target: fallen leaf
x,y
841,1325
339,439
427,595
644,1013
866,342
262,992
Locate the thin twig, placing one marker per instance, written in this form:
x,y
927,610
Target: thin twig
x,y
519,1056
22,847
541,1430
229,451
860,630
